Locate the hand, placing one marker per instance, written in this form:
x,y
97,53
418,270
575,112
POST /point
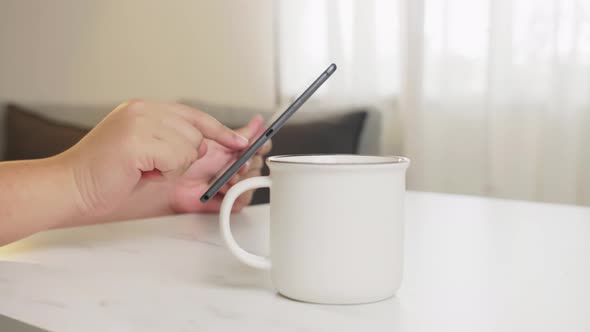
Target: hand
x,y
140,142
193,184
138,162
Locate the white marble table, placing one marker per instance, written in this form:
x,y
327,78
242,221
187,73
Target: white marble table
x,y
472,264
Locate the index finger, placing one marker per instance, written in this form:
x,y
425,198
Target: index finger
x,y
210,127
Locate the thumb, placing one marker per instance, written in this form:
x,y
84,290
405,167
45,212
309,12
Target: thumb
x,y
187,195
186,199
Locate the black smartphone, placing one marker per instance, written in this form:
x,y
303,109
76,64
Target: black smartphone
x,y
222,179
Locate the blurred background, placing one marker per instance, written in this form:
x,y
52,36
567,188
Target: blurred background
x,y
487,97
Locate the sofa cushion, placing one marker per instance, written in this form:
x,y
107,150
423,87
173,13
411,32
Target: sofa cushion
x,y
32,136
312,111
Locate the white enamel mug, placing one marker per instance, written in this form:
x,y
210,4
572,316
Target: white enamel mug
x,y
336,226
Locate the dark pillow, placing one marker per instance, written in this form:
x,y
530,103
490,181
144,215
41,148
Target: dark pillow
x,y
337,134
30,136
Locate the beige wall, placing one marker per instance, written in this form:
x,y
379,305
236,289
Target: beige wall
x,y
103,52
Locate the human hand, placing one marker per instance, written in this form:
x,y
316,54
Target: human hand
x,y
140,142
193,184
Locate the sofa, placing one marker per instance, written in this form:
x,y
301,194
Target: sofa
x,y
38,131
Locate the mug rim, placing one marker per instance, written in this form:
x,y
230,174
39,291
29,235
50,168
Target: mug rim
x,y
385,160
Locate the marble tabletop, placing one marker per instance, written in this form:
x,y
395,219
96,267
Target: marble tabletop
x,y
472,264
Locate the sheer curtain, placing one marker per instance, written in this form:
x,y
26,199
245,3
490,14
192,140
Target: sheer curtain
x,y
488,97
351,33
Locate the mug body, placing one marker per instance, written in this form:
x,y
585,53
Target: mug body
x,y
337,227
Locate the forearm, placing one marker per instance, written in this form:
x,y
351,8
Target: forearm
x,y
36,195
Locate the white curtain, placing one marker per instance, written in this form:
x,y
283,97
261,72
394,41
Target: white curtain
x,y
487,97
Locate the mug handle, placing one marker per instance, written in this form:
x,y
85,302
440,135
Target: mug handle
x,y
256,261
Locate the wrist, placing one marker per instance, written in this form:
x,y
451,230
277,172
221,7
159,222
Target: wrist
x,y
70,173
50,185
